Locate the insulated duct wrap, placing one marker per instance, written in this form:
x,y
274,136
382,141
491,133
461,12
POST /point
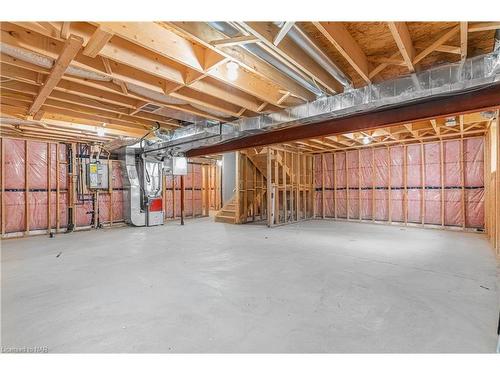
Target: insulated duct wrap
x,y
443,80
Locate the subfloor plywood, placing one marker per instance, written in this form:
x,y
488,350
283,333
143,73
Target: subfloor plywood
x,y
315,286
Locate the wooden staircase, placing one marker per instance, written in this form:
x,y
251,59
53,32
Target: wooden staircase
x,y
259,159
228,212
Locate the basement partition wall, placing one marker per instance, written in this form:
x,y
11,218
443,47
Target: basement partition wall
x,y
427,184
273,186
202,192
35,196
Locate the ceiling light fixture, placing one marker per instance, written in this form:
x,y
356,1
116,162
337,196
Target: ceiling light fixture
x,y
450,121
367,140
232,70
101,132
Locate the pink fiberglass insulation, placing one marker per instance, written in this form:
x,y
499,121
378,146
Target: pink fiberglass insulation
x,y
169,181
329,204
474,208
83,215
188,207
197,202
169,204
353,169
353,204
63,177
63,209
366,204
414,206
104,203
188,179
37,210
14,211
381,205
451,160
432,206
366,161
381,167
340,171
432,165
14,163
53,166
197,176
116,175
318,205
397,205
414,165
37,165
453,207
474,162
341,203
328,171
397,166
318,169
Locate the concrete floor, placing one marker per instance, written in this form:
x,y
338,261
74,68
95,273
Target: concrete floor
x,y
317,286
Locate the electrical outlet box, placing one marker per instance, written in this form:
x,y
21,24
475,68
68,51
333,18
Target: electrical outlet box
x,y
97,176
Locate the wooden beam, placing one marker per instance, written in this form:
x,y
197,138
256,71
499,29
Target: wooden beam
x,y
343,41
463,39
130,65
71,48
65,26
238,40
292,55
449,49
282,33
425,109
438,42
483,26
401,35
204,34
97,41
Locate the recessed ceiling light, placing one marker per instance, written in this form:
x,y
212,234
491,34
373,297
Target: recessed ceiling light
x,y
232,70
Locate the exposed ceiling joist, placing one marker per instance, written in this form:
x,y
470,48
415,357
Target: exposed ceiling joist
x,y
282,33
97,41
401,35
292,55
69,51
463,39
438,42
236,41
343,41
204,34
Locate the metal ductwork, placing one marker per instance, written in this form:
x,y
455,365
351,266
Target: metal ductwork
x,y
258,51
447,79
317,55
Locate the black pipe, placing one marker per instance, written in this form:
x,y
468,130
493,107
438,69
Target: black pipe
x,y
69,157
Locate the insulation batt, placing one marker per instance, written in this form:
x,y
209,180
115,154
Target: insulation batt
x,y
383,169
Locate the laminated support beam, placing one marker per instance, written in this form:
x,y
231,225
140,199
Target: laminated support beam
x,y
485,98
